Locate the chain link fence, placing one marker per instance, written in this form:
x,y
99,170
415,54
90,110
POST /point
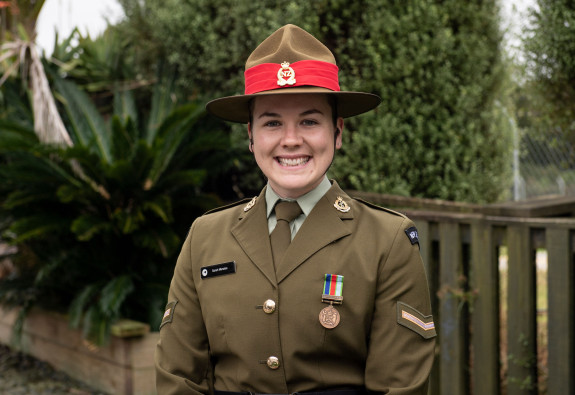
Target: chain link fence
x,y
543,165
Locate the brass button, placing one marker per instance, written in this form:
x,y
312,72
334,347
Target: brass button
x,y
273,363
269,306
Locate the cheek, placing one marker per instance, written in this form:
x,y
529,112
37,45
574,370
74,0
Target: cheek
x,y
263,144
325,144
260,151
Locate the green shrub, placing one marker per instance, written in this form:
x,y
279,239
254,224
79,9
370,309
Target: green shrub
x,y
440,131
549,43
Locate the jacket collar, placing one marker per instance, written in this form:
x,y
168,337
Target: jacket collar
x,y
324,225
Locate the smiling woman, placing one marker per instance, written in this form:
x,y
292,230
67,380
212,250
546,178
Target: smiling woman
x,y
287,252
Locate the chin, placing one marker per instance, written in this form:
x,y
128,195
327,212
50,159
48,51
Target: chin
x,y
295,190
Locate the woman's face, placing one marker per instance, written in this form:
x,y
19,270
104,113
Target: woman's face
x,y
294,140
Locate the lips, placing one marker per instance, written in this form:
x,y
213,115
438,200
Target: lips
x,y
299,161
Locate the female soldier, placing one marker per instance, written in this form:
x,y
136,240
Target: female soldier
x,y
258,301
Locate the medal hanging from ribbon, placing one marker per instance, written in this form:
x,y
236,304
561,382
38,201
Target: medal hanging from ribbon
x,y
333,294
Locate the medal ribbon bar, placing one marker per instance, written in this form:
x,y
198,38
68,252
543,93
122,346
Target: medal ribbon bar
x,y
332,289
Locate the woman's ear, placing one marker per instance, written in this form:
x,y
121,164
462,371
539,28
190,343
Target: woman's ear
x,y
251,138
338,133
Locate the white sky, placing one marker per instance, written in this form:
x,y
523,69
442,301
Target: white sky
x,y
514,19
90,16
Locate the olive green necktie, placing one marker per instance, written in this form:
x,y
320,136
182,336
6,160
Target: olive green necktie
x,y
281,236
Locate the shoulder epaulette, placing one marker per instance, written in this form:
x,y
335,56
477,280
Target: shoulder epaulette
x,y
238,203
375,206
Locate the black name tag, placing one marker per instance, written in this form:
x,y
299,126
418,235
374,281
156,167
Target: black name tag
x,y
218,270
412,235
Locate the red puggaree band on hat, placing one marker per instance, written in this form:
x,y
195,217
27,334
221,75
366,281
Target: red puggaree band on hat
x,y
268,76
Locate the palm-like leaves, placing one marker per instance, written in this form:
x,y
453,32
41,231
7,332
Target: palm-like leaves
x,y
98,217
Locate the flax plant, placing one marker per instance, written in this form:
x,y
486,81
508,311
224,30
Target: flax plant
x,y
19,53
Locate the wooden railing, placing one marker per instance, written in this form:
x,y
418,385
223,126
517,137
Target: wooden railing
x,y
481,265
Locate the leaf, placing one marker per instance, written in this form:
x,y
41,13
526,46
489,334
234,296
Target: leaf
x,y
40,168
96,307
87,226
43,275
80,302
128,220
122,141
125,105
171,133
163,103
96,326
87,125
69,193
114,294
161,206
36,227
14,137
21,198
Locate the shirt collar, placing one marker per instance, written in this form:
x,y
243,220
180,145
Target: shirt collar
x,y
307,202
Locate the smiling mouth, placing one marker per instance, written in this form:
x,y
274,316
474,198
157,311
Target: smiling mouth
x,y
293,161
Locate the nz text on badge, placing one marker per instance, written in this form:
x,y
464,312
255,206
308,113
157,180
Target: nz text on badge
x,y
220,269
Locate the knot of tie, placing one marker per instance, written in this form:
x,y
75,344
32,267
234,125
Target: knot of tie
x,y
280,238
287,211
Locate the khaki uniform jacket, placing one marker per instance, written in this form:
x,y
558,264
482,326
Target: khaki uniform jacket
x,y
216,335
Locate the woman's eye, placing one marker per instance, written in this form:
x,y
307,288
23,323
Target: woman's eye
x,y
309,122
272,123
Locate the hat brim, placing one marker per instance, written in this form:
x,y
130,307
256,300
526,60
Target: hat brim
x,y
236,108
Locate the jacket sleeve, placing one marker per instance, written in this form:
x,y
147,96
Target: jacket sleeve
x,y
402,338
182,353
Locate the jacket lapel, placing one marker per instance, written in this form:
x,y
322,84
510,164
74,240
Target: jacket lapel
x,y
324,225
252,235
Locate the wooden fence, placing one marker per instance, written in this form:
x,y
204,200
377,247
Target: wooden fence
x,y
481,265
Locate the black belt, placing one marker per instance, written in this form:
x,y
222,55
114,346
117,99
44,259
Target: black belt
x,y
327,392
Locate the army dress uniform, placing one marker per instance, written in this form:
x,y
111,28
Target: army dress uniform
x,y
235,323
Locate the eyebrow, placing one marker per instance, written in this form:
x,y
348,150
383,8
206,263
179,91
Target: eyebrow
x,y
269,114
276,115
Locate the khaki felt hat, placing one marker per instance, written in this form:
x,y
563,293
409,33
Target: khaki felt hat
x,y
291,61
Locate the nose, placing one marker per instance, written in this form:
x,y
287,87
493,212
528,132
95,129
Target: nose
x,y
291,136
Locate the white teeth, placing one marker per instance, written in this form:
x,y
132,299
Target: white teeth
x,y
293,162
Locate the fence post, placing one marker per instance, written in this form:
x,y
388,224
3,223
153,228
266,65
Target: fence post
x,y
451,331
521,324
485,313
561,336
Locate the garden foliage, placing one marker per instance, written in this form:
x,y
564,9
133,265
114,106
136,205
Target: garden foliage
x,y
98,225
440,132
548,103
